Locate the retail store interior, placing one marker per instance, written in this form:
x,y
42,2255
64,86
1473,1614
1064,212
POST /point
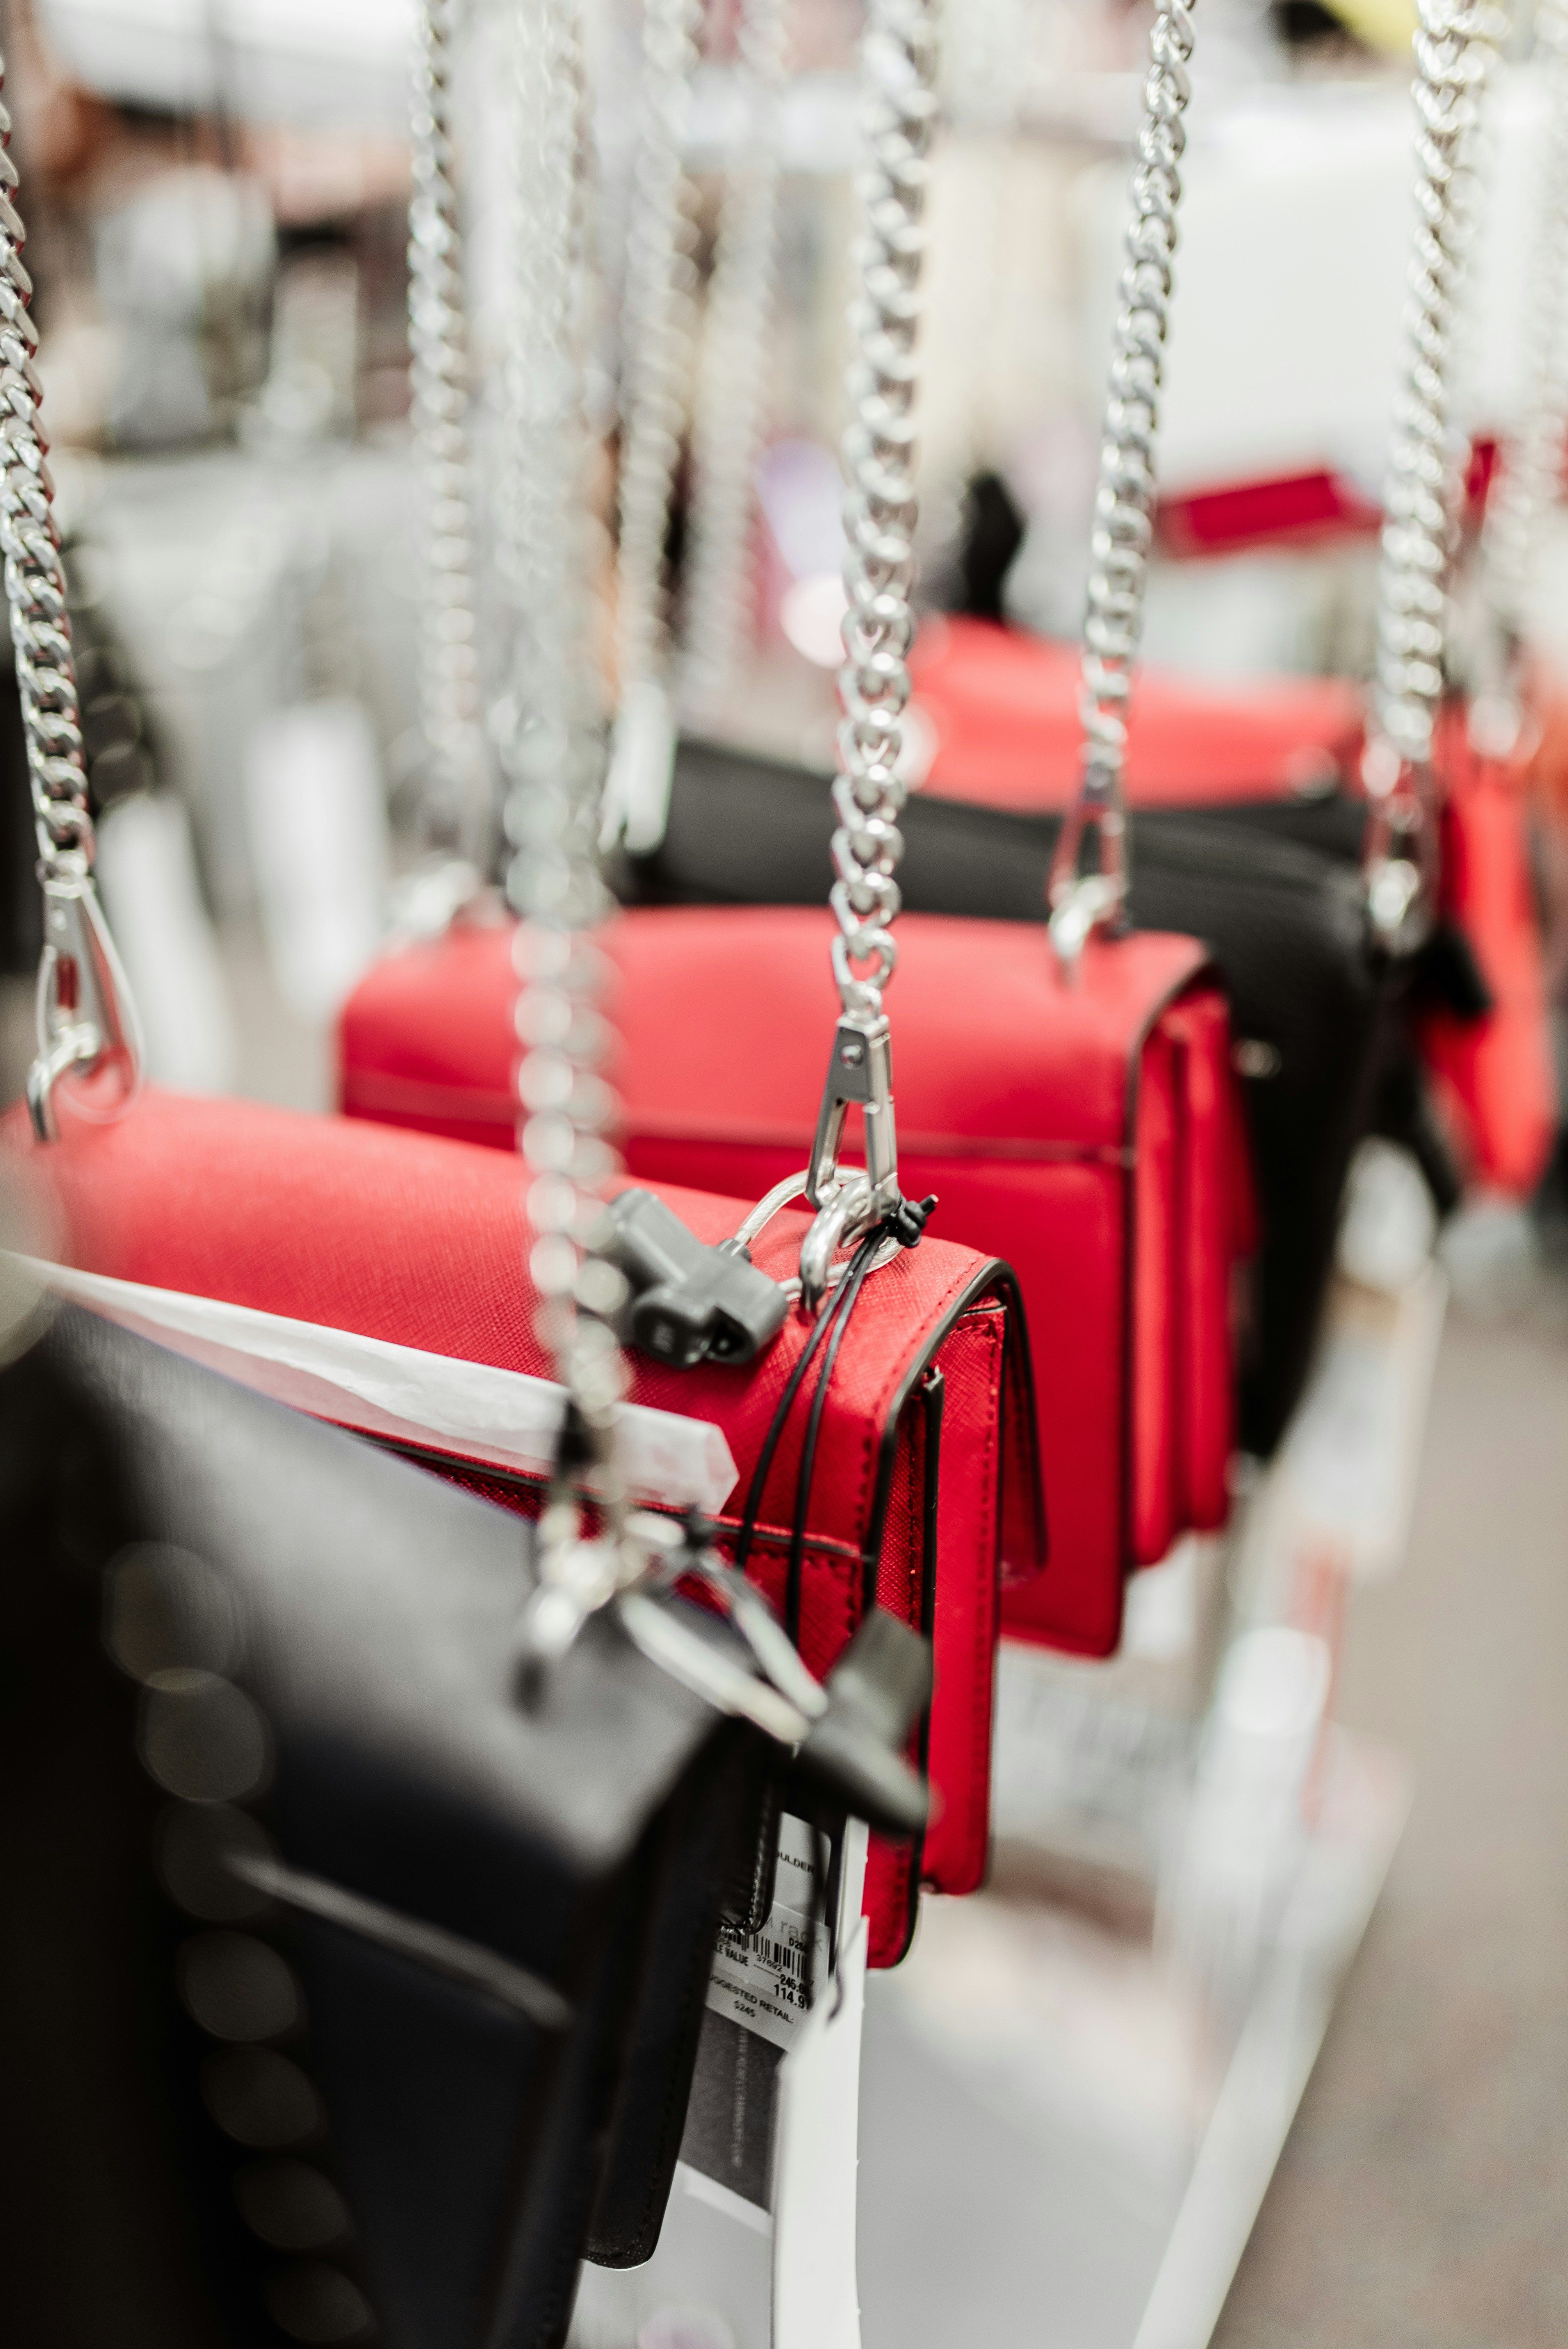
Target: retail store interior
x,y
515,473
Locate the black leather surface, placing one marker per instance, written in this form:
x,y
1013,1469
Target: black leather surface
x,y
1275,898
368,1614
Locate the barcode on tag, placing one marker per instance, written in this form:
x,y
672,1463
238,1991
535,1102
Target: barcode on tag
x,y
766,1980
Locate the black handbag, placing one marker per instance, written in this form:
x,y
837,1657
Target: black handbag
x,y
1314,1001
373,1993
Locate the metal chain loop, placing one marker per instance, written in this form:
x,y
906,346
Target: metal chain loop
x,y
1527,486
733,393
899,111
1124,497
657,333
454,802
656,366
86,1020
542,553
1456,43
551,754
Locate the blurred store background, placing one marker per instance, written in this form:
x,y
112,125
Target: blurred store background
x,y
217,207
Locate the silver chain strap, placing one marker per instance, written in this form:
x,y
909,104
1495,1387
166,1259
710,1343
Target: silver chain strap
x,y
1124,497
87,1022
456,787
657,346
733,393
1532,458
899,67
1456,42
454,800
552,757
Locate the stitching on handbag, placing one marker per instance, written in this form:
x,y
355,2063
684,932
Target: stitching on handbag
x,y
984,1325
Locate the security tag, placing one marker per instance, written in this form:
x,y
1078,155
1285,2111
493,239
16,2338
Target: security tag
x,y
689,1303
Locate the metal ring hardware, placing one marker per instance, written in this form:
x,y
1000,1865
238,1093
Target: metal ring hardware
x,y
85,1017
814,1256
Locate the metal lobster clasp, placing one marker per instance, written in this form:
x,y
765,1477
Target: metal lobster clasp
x,y
86,1021
860,1073
850,1200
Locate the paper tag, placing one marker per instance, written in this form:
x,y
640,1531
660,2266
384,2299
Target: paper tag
x,y
760,1993
765,1980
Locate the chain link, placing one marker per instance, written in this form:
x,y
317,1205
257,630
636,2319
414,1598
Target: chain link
x,y
553,708
656,336
1527,486
454,802
552,757
1456,42
733,393
1124,496
86,1019
35,575
899,69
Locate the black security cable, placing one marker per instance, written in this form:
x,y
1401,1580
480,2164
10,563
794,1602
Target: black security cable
x,y
906,1223
832,1308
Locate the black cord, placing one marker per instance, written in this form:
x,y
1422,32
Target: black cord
x,y
906,1223
850,1287
831,1306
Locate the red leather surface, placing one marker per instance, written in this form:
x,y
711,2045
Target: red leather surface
x,y
1152,1468
1003,710
423,1241
1211,1164
1286,508
1022,1124
1494,1075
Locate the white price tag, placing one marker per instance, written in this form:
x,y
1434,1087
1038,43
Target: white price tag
x,y
765,1980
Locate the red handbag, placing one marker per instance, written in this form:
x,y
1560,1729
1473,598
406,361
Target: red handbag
x,y
1073,1093
1001,711
852,1501
1092,1131
421,1243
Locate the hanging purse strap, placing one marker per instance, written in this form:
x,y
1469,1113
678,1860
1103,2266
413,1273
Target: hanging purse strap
x,y
1527,488
1082,903
733,392
454,802
1455,45
87,1022
656,349
880,509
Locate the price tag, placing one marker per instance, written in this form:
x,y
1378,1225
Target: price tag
x,y
766,1980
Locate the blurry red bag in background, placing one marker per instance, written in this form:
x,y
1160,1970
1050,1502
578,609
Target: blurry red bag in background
x,y
1494,1077
1002,712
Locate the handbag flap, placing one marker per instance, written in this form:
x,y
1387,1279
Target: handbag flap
x,y
454,1881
